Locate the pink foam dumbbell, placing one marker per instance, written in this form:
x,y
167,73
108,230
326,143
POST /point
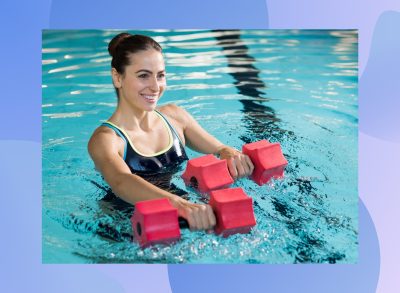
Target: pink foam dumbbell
x,y
207,173
268,160
155,221
233,210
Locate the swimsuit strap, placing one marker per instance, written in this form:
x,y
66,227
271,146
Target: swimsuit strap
x,y
126,139
170,126
119,133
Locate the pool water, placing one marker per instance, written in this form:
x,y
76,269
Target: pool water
x,y
295,87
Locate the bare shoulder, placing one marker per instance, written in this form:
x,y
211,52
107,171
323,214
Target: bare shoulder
x,y
173,111
102,140
178,114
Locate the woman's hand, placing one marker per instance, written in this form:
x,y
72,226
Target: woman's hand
x,y
239,165
199,216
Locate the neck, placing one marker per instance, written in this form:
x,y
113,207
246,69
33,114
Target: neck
x,y
131,119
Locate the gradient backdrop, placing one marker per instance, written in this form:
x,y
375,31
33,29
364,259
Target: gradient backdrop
x,y
378,23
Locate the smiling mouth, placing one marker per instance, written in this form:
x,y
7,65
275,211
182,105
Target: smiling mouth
x,y
150,98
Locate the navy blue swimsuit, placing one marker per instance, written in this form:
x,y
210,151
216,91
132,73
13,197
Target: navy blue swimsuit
x,y
157,168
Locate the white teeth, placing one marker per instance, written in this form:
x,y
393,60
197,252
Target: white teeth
x,y
149,97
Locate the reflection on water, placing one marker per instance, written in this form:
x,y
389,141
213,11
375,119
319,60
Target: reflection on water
x,y
259,119
261,122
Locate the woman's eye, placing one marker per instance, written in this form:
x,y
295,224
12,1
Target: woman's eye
x,y
162,75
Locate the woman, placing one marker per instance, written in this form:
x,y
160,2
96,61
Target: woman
x,y
141,142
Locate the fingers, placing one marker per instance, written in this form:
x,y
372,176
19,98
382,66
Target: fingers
x,y
200,217
211,217
249,164
240,166
232,168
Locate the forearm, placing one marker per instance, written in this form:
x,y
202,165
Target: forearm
x,y
132,188
203,142
211,146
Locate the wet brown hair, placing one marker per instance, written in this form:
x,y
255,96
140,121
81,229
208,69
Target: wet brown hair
x,y
124,44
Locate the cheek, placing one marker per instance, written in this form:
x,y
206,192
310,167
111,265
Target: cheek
x,y
136,85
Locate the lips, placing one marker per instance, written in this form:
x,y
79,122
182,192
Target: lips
x,y
150,98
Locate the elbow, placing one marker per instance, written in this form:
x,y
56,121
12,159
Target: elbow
x,y
123,187
118,187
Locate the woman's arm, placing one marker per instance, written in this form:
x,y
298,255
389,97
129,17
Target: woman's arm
x,y
103,148
198,139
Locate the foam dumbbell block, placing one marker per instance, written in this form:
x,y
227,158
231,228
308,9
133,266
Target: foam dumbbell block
x,y
207,173
268,160
155,221
233,210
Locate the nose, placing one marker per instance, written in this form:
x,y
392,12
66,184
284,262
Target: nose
x,y
154,84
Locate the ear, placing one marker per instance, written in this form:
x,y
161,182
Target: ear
x,y
116,77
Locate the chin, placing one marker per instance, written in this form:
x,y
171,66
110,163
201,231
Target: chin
x,y
149,108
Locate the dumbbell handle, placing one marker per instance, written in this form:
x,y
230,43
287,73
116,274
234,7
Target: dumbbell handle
x,y
158,210
183,224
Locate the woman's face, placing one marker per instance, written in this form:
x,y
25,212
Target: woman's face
x,y
144,80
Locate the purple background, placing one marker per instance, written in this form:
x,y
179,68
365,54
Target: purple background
x,y
379,145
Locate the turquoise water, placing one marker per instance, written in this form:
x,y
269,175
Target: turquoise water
x,y
298,88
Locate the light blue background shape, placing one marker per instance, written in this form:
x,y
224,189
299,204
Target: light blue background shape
x,y
20,136
361,277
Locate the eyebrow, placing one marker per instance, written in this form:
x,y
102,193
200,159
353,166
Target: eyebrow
x,y
148,71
